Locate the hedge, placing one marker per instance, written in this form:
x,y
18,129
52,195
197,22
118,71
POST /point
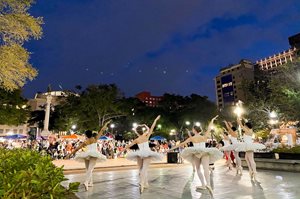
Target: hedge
x,y
27,174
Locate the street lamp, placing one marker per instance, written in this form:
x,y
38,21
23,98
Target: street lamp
x,y
187,123
134,125
197,124
159,126
73,126
112,126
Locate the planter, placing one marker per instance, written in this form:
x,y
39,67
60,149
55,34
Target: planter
x,y
289,156
268,155
271,155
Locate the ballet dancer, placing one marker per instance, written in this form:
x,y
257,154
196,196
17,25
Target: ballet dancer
x,y
249,147
199,154
234,140
143,155
91,155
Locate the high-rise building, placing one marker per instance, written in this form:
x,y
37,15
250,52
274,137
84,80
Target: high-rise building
x,y
148,99
272,62
229,81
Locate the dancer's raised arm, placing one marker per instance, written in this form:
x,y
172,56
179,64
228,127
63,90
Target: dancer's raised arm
x,y
209,128
244,127
153,125
229,128
100,132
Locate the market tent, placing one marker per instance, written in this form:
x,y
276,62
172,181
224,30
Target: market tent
x,y
158,138
16,136
73,136
105,138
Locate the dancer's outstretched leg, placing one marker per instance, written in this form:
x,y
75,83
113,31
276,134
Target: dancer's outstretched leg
x,y
197,162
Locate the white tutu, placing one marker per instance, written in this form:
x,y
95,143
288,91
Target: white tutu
x,y
243,146
133,155
190,152
81,157
249,145
91,152
228,148
144,152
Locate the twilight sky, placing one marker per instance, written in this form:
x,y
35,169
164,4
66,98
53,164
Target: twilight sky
x,y
174,46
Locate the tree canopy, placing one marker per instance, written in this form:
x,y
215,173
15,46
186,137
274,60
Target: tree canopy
x,y
16,27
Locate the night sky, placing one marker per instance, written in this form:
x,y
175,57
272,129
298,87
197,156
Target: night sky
x,y
156,45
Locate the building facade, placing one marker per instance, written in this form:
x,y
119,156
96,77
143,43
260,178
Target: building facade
x,y
148,99
228,83
272,62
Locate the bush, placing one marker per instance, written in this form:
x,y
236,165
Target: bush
x,y
295,149
27,174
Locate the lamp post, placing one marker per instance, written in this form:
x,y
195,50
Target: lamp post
x,y
186,123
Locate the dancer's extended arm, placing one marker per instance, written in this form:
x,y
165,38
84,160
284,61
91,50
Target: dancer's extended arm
x,y
75,150
181,144
229,128
209,128
104,127
153,125
245,128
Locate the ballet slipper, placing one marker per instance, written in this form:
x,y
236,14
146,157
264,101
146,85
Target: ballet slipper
x,y
146,186
254,176
86,186
141,188
209,189
201,187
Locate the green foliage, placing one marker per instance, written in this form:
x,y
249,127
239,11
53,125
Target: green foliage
x,y
277,91
16,27
12,110
264,134
27,174
96,104
287,150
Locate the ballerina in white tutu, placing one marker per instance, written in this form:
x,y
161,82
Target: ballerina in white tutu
x,y
143,155
249,147
199,154
227,148
90,156
234,144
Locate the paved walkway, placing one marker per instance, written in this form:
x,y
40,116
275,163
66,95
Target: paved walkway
x,y
180,182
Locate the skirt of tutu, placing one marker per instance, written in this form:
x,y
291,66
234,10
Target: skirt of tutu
x,y
154,156
81,157
190,152
243,146
230,147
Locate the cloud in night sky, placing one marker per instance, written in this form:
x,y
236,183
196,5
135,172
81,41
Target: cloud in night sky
x,y
160,46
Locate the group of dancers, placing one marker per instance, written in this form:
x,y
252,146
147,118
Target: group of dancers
x,y
198,154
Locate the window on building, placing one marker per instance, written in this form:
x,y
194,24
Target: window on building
x,y
226,84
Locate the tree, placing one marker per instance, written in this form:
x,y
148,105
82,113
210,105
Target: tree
x,y
95,105
277,91
16,27
13,109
